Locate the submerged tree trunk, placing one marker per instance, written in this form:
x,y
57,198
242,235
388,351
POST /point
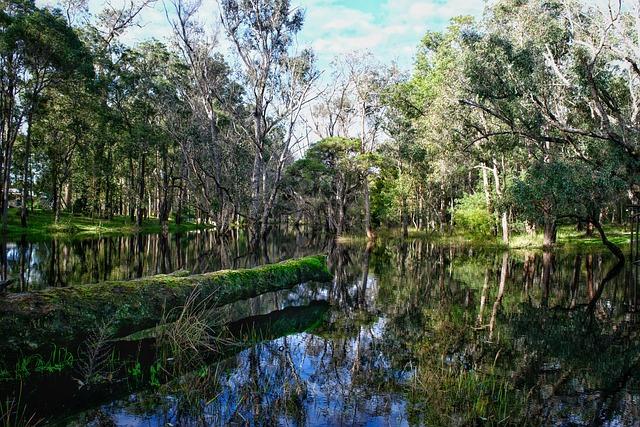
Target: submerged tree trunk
x,y
38,321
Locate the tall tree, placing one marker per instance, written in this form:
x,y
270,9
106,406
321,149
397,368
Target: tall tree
x,y
279,85
37,48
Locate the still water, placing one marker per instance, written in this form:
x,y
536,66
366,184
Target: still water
x,y
407,333
54,263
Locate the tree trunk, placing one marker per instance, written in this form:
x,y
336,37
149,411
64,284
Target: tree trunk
x,y
505,228
550,231
341,212
589,230
25,172
165,195
180,202
405,218
55,195
63,317
132,199
611,246
504,220
141,191
108,187
367,211
487,195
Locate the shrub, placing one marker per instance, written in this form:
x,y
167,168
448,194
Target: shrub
x,y
471,215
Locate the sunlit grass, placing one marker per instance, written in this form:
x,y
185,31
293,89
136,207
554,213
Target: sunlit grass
x,y
41,224
568,237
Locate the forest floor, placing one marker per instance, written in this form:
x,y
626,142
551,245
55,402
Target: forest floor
x,y
41,225
568,237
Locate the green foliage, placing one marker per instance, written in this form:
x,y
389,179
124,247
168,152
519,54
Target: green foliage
x,y
58,360
471,215
565,189
329,174
136,372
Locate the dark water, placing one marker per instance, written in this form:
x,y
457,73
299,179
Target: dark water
x,y
53,263
408,333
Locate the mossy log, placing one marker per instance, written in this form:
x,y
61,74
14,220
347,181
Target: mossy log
x,y
63,317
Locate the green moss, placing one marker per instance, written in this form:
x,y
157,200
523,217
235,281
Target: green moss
x,y
64,316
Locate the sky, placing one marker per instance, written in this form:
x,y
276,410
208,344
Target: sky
x,y
390,29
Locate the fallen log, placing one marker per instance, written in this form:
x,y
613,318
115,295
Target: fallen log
x,y
63,317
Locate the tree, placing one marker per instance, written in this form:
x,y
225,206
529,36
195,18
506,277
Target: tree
x,y
279,85
37,49
569,189
331,172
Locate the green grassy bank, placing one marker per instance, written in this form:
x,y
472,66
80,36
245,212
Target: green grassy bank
x,y
568,237
41,224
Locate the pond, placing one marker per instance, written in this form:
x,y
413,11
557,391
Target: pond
x,y
39,264
407,333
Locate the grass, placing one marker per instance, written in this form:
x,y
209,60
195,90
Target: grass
x,y
14,413
470,397
41,224
568,237
58,360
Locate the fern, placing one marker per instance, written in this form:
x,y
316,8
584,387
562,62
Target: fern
x,y
94,356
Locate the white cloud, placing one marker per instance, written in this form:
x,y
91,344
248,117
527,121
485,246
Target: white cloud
x,y
391,29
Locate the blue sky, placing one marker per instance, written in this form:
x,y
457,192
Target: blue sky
x,y
391,29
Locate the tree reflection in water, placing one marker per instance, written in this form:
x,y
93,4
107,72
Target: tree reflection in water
x,y
417,334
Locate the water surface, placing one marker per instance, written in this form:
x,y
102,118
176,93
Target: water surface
x,y
407,333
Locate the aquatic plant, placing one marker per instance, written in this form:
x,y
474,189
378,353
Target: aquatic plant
x,y
58,360
94,356
14,413
187,334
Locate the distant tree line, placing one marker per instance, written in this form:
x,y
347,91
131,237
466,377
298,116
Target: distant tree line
x,y
103,128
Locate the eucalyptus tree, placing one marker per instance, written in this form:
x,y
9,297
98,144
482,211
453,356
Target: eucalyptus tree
x,y
334,112
103,36
368,80
570,188
408,170
534,73
37,49
327,179
68,123
215,98
147,85
451,151
279,84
